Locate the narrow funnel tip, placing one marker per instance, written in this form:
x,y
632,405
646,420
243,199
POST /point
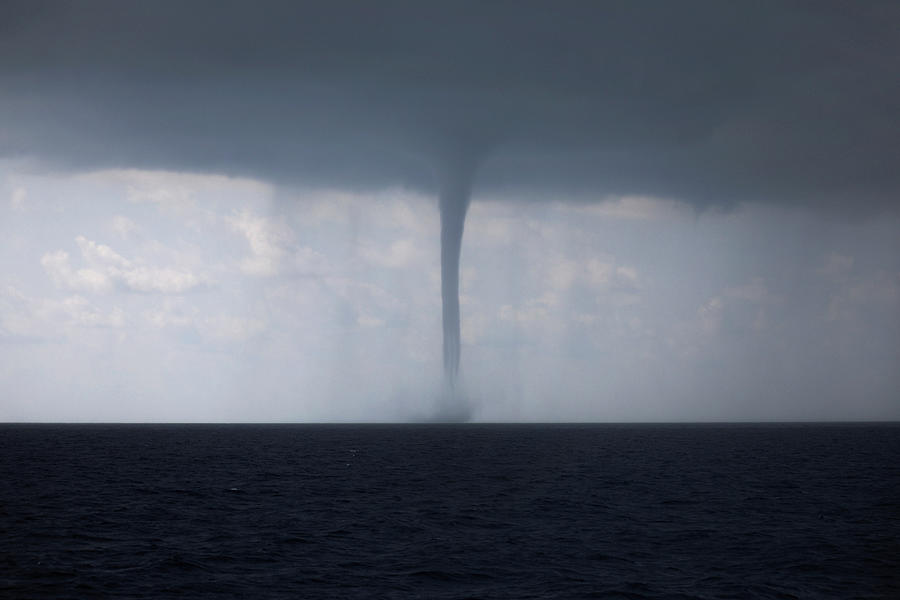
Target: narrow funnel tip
x,y
452,407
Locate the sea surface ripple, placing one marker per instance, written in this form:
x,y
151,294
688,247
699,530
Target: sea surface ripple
x,y
450,511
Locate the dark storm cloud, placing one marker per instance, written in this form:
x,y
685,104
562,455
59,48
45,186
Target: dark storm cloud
x,y
709,102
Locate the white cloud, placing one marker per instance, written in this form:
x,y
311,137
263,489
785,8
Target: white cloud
x,y
109,268
216,329
17,198
123,226
176,198
371,304
196,200
633,207
602,273
269,240
562,274
100,254
856,294
402,215
158,280
82,312
474,327
755,291
599,272
369,321
836,267
742,309
395,209
879,291
404,212
330,207
230,329
709,316
626,277
397,255
169,315
174,188
309,262
26,317
534,309
57,266
490,224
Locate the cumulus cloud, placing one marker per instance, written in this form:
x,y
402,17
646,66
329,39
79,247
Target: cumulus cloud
x,y
57,266
633,208
561,274
230,329
754,291
195,199
81,312
268,240
604,275
397,254
709,315
873,292
123,226
100,254
371,304
488,230
17,198
160,280
273,247
170,313
108,269
534,309
28,318
836,267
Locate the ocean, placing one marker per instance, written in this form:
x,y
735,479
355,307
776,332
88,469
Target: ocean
x,y
450,511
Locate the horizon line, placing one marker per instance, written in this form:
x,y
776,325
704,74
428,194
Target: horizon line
x,y
476,423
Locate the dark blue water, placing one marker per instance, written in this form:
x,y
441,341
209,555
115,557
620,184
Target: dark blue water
x,y
444,511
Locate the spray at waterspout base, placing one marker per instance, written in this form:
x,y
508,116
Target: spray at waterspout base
x,y
452,406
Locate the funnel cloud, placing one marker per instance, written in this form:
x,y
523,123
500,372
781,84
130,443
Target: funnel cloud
x,y
455,195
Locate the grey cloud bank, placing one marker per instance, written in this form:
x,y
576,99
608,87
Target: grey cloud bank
x,y
706,102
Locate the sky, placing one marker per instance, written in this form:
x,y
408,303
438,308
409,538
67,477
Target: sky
x,y
228,212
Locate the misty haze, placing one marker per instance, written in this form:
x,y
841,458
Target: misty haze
x,y
449,299
663,212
